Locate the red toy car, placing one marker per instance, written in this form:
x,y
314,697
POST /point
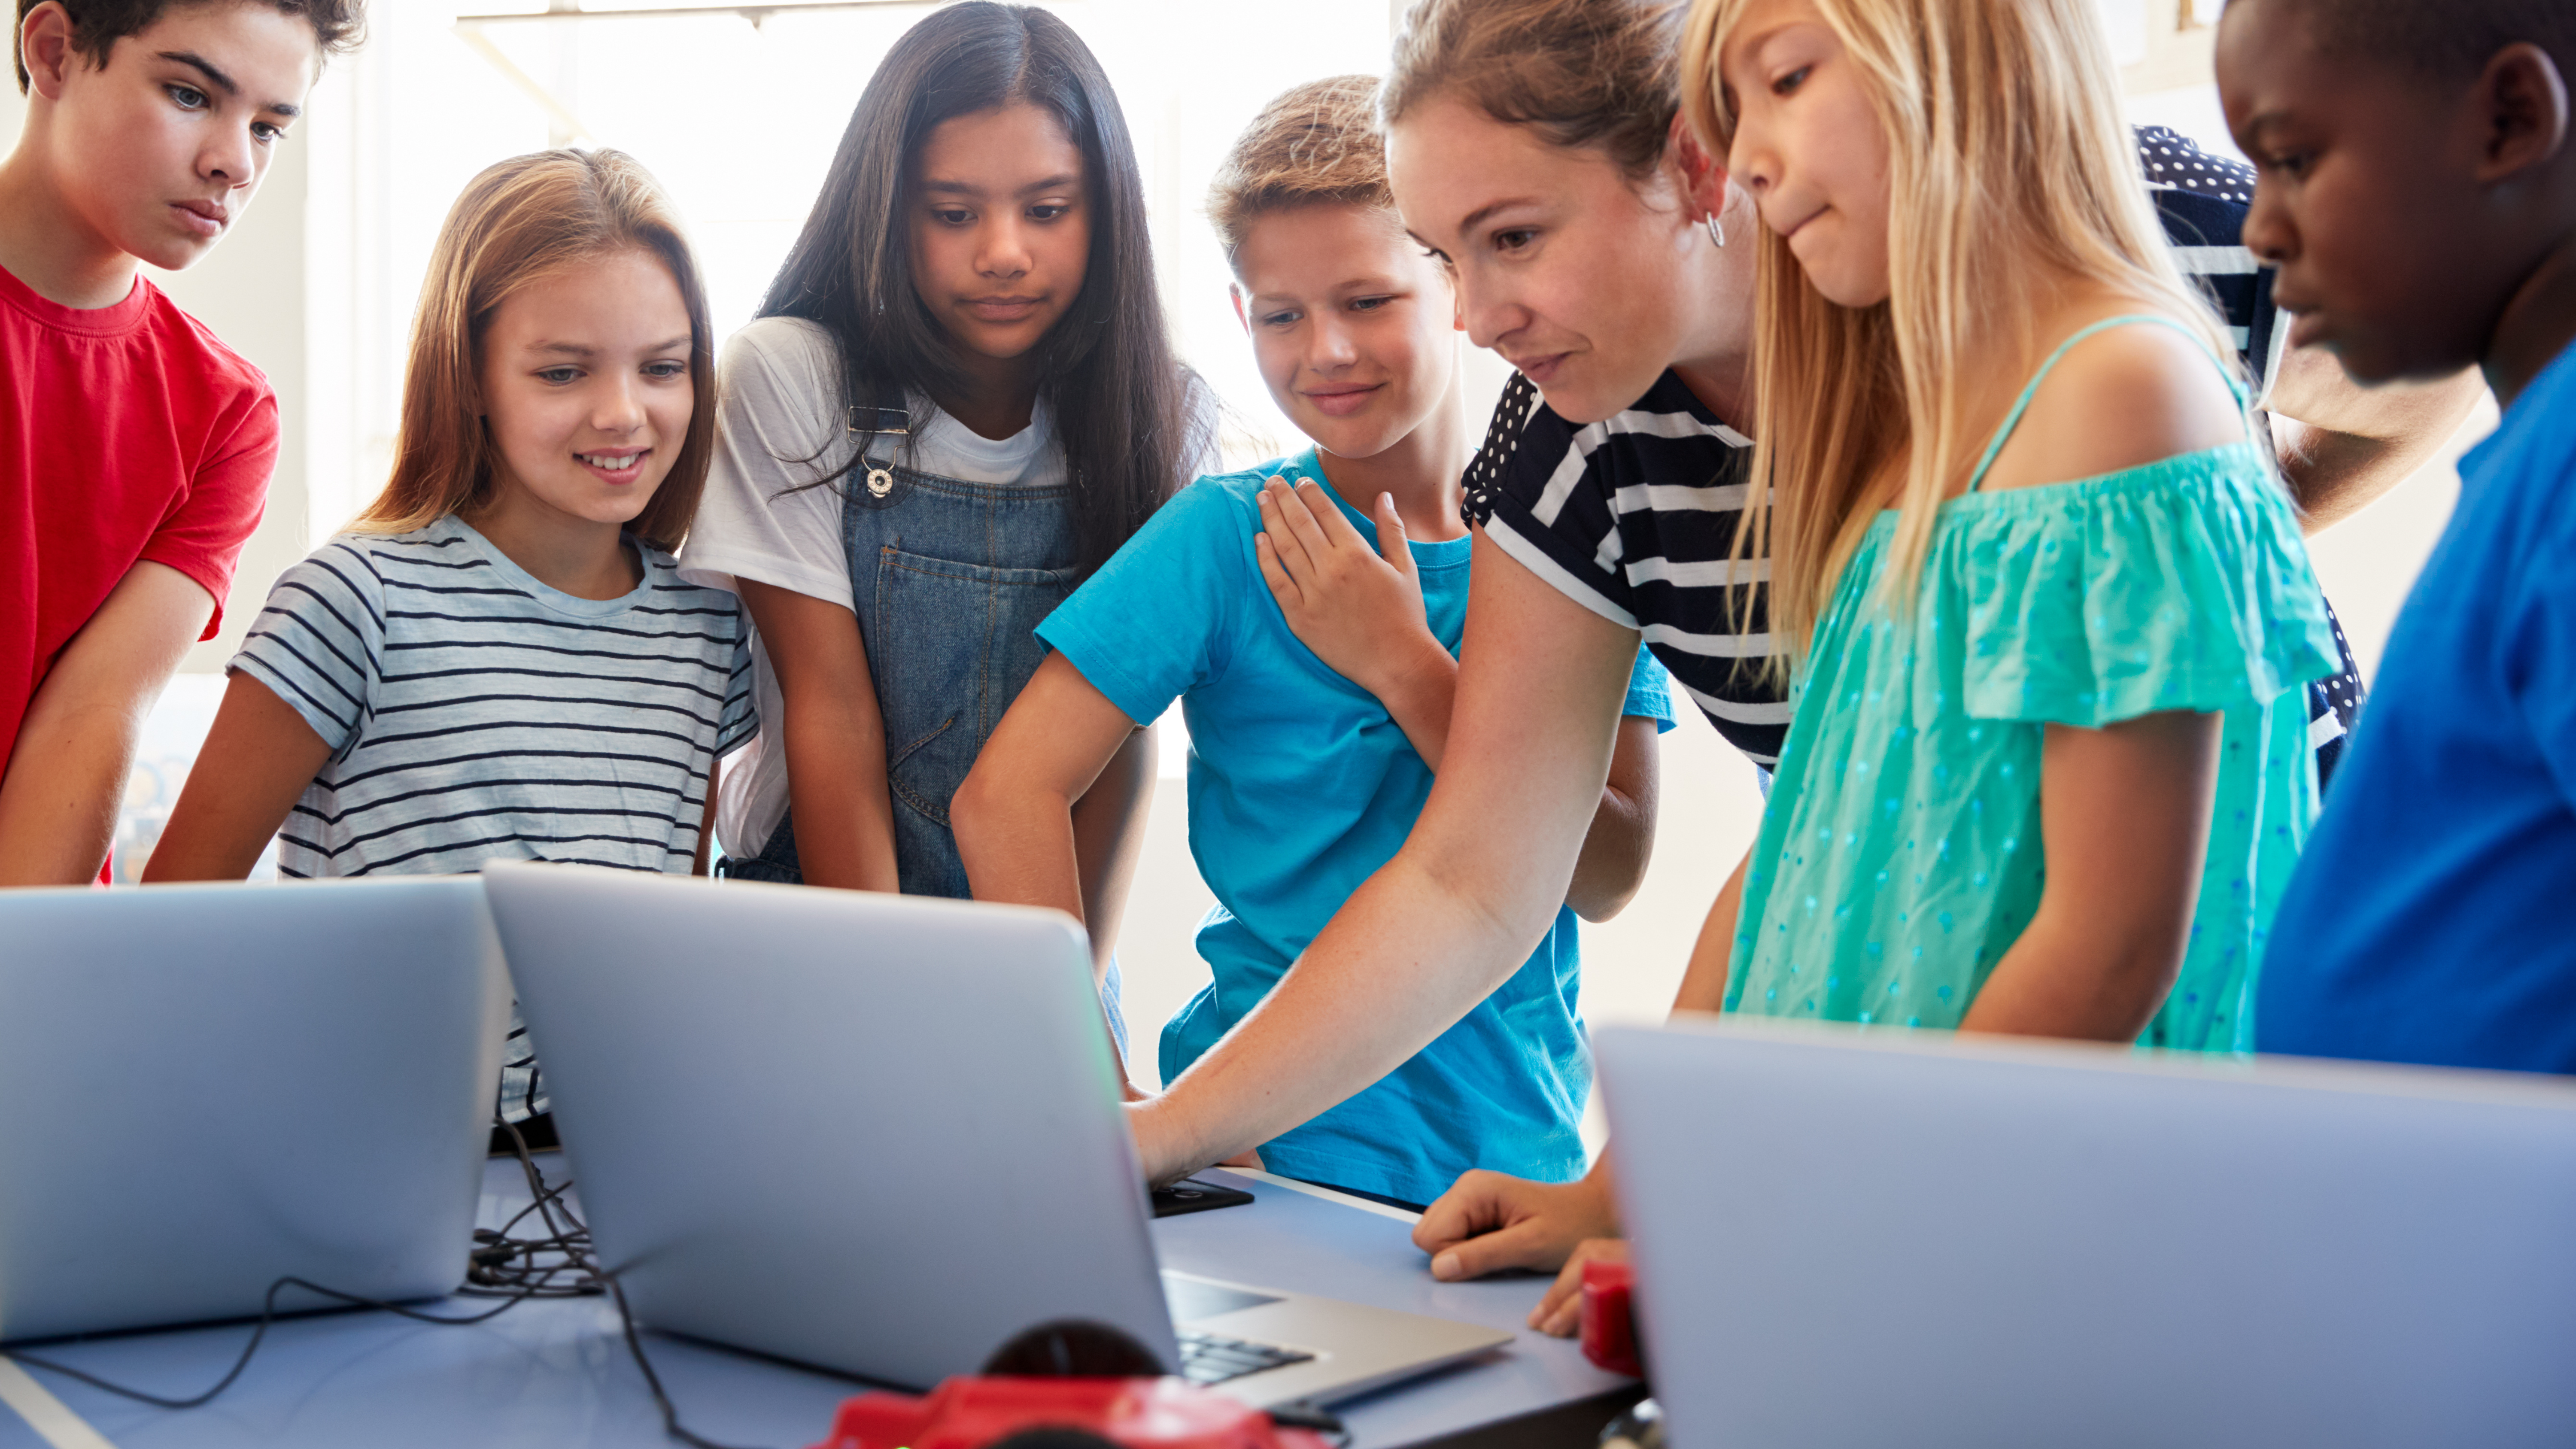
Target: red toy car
x,y
1131,1413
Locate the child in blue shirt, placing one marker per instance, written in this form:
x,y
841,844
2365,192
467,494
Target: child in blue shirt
x,y
2417,191
1307,615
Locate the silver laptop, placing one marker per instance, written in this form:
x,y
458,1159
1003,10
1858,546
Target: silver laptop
x,y
880,1134
1849,1239
204,1089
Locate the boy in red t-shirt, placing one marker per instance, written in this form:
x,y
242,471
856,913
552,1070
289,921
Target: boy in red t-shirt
x,y
134,447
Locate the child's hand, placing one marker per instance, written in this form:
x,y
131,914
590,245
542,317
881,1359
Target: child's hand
x,y
1560,1313
1359,609
1489,1221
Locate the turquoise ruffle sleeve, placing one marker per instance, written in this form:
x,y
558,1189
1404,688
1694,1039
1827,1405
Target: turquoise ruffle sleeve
x,y
2181,586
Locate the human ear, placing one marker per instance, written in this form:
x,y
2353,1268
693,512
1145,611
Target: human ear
x,y
2523,101
1234,293
1703,175
45,48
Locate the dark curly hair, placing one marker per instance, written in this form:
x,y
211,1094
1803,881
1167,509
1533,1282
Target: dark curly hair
x,y
338,25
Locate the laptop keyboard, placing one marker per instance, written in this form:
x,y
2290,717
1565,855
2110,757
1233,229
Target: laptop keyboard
x,y
1207,1358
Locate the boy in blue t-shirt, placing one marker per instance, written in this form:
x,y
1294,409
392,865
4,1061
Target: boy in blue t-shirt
x,y
1313,648
2417,192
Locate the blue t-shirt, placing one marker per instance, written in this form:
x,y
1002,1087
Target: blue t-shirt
x,y
1301,786
2433,918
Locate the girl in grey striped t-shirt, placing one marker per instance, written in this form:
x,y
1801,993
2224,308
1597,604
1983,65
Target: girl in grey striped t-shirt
x,y
500,660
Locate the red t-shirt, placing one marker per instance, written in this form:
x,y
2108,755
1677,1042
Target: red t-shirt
x,y
126,433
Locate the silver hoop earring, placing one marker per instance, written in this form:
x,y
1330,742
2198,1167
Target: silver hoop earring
x,y
1716,232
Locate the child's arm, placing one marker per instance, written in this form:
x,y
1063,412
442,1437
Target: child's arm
x,y
66,772
1615,850
707,819
2124,817
1106,842
1360,610
1016,819
834,738
256,760
2124,810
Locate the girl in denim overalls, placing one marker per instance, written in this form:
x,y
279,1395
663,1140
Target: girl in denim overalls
x,y
957,400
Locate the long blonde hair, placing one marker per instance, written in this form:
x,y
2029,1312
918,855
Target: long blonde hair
x,y
2008,161
518,223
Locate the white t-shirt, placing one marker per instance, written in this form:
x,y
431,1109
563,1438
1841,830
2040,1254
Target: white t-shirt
x,y
779,425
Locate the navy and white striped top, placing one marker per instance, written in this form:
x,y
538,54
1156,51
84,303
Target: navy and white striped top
x,y
474,713
1634,518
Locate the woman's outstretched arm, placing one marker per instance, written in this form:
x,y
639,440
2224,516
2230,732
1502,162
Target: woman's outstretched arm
x,y
1540,684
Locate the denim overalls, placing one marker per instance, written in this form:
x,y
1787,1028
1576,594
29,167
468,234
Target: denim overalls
x,y
950,580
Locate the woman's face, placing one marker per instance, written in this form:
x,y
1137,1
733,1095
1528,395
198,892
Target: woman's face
x,y
1001,227
1587,283
1353,326
585,386
1810,148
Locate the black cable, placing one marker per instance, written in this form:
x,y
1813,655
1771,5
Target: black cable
x,y
513,1271
635,1344
267,1316
489,1274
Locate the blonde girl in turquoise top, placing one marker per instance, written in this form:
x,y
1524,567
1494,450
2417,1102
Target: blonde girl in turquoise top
x,y
2047,770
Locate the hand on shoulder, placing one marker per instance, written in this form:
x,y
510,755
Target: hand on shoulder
x,y
1358,607
2122,398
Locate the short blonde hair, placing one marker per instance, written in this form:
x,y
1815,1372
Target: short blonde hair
x,y
1317,143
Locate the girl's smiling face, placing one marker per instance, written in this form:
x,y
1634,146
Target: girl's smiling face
x,y
1001,227
1579,277
1353,326
1810,147
585,386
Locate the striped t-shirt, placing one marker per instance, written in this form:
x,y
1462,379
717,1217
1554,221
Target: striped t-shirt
x,y
475,714
1634,518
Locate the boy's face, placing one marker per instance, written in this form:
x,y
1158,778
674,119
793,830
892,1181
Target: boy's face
x,y
2365,198
160,148
1355,330
585,384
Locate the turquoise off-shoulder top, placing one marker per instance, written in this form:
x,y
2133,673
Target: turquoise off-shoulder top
x,y
1900,854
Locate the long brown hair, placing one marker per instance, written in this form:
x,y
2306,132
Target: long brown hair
x,y
1601,73
521,221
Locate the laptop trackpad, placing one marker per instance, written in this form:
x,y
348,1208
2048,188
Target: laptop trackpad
x,y
1193,1299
